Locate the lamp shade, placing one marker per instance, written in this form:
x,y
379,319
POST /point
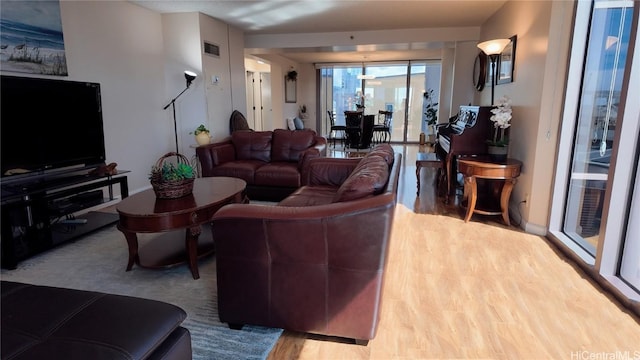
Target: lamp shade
x,y
493,47
190,76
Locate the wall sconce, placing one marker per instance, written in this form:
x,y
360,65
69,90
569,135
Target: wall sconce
x,y
493,48
189,76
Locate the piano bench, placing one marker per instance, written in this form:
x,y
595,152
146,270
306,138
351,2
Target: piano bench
x,y
431,160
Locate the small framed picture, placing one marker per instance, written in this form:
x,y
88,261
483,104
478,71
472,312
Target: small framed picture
x,y
506,62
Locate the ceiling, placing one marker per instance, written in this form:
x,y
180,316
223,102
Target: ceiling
x,y
318,16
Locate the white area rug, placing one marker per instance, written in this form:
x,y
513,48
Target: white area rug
x,y
97,262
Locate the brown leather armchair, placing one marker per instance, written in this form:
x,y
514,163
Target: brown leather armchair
x,y
317,269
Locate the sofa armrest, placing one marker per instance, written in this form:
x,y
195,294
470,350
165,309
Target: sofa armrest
x,y
303,263
327,171
215,154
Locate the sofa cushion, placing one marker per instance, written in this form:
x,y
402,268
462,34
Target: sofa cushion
x,y
283,174
310,196
252,145
241,169
287,145
368,178
42,322
299,124
291,125
384,150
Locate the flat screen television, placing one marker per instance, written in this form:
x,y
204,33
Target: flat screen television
x,y
49,125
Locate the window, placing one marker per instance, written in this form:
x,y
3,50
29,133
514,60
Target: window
x,y
395,86
599,131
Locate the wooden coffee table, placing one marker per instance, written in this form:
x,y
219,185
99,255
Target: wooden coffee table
x,y
144,213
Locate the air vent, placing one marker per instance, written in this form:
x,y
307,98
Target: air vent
x,y
211,49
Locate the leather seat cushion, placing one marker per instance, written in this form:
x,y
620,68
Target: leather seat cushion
x,y
241,169
41,322
283,174
310,196
287,145
367,179
252,145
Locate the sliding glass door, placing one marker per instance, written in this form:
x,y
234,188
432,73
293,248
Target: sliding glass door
x,y
398,87
385,89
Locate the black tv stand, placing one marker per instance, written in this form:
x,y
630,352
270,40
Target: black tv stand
x,y
38,215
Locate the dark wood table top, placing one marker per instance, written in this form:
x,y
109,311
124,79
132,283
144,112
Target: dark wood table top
x,y
143,212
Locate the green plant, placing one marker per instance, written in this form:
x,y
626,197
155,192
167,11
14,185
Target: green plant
x,y
292,75
172,172
431,111
200,129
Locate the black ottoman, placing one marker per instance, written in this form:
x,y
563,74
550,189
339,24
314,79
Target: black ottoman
x,y
41,322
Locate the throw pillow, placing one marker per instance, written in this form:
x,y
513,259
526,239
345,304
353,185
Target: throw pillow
x,y
384,150
299,125
291,125
368,178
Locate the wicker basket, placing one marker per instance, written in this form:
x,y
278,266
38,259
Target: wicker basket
x,y
170,189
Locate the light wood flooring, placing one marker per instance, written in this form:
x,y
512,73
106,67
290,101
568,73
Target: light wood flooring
x,y
477,290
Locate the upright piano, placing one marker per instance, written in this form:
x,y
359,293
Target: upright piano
x,y
465,134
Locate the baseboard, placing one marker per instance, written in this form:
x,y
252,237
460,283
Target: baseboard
x,y
528,227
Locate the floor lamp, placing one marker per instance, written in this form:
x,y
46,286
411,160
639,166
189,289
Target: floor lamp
x,y
190,76
493,49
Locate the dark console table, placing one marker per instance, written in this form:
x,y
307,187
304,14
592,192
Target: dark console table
x,y
37,213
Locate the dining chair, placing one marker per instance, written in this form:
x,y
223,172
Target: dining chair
x,y
382,129
336,129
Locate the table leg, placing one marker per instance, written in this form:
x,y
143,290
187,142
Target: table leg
x,y
191,243
132,243
504,199
470,185
447,164
418,167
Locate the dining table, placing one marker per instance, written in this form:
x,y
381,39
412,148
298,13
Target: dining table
x,y
359,132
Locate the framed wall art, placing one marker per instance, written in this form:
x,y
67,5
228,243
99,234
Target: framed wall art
x,y
506,62
32,40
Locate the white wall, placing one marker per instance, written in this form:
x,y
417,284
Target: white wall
x,y
536,93
181,41
138,56
119,45
464,91
205,102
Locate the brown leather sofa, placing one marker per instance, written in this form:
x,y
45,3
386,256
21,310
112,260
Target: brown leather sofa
x,y
315,262
41,322
269,161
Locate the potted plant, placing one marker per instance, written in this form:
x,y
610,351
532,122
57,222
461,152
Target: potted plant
x,y
431,113
171,180
292,75
202,135
501,118
303,112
